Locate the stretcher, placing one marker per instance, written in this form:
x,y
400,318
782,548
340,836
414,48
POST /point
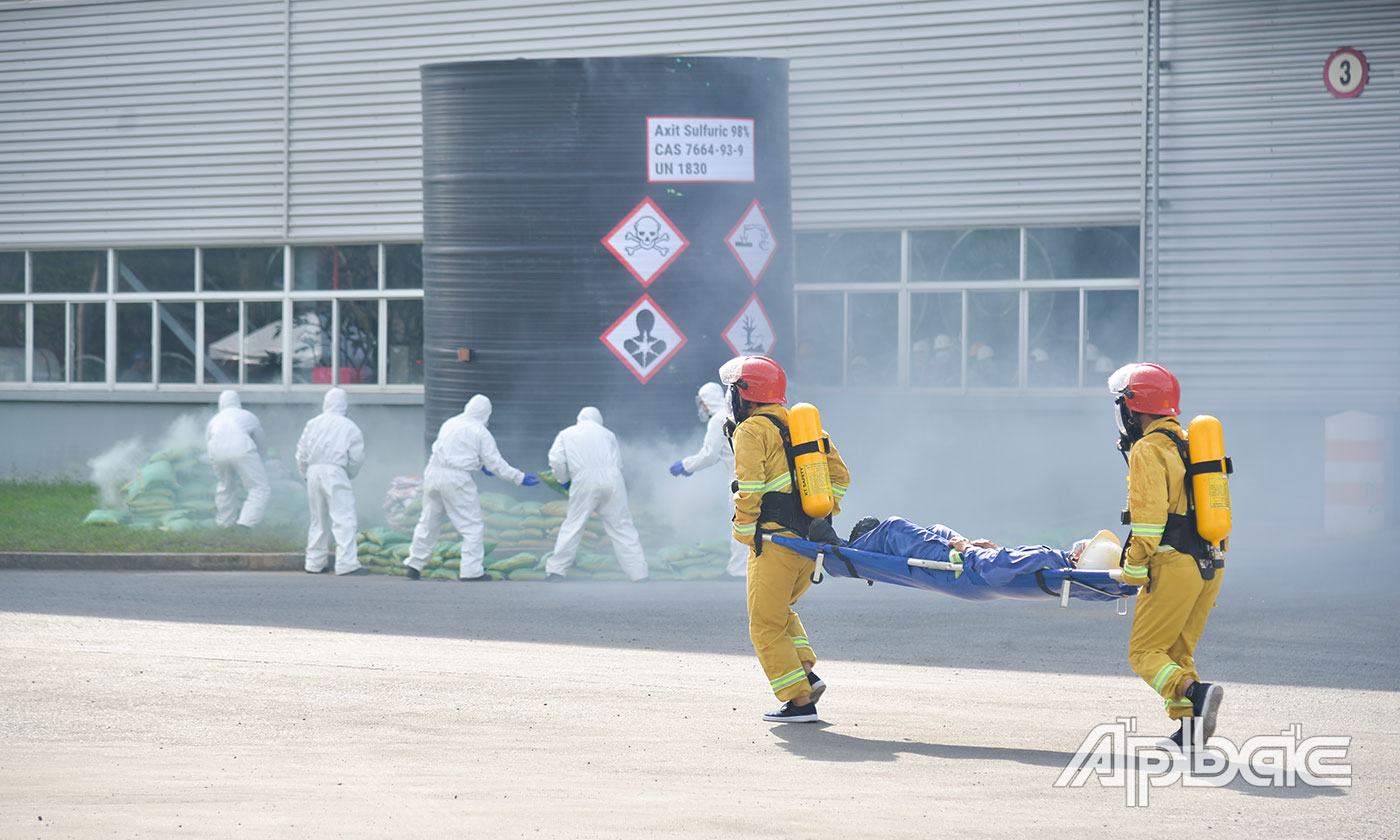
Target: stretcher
x,y
952,579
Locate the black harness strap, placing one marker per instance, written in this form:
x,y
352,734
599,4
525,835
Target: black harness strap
x,y
1040,581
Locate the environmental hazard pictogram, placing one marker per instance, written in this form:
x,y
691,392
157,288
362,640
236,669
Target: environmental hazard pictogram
x,y
752,242
751,331
644,338
646,242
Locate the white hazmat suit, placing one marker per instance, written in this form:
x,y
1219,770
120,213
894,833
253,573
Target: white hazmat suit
x,y
716,450
329,454
234,438
463,446
586,456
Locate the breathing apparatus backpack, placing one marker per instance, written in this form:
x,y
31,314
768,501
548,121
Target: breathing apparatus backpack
x,y
1200,531
810,498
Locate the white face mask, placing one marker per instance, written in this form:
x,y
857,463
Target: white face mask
x,y
702,410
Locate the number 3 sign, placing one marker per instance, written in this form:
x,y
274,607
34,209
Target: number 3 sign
x,y
1345,73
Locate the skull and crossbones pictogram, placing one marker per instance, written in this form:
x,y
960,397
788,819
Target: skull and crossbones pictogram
x,y
648,235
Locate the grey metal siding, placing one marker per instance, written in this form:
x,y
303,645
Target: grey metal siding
x,y
1276,266
176,120
147,122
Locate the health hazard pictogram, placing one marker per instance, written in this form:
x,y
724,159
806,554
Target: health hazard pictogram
x,y
751,331
752,242
646,242
643,338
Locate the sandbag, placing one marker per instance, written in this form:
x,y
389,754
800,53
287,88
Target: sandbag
x,y
105,518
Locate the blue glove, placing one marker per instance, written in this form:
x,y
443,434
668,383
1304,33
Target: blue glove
x,y
487,472
678,469
530,480
566,484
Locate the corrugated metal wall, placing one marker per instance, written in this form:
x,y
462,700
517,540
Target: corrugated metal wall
x,y
163,120
1277,242
144,122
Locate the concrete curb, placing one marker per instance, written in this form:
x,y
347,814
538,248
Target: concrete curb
x,y
53,560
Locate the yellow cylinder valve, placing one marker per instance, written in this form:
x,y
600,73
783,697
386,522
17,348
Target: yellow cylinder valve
x,y
809,450
1210,483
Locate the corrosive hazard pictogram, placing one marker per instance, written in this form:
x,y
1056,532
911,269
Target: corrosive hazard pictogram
x,y
643,338
752,242
646,242
751,331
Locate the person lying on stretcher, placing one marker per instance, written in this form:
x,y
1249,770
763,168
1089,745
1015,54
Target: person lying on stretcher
x,y
996,564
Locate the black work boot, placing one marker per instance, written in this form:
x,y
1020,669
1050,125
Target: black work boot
x,y
1205,705
865,525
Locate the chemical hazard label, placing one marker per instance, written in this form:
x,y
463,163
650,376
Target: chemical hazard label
x,y
644,338
690,149
752,242
646,242
751,331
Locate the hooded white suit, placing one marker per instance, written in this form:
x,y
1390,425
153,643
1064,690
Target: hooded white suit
x,y
716,450
463,446
233,438
330,452
586,454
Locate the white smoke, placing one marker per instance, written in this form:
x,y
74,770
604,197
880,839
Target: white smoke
x,y
120,464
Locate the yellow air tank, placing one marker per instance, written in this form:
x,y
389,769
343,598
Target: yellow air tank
x,y
1210,484
809,455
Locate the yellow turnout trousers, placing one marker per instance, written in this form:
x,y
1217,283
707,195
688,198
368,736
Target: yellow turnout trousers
x,y
775,581
1168,621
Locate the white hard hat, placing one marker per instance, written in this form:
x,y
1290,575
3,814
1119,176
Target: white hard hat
x,y
942,341
1102,552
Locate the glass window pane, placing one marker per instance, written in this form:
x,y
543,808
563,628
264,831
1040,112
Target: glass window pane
x,y
11,272
848,258
50,357
69,271
359,342
1081,253
963,256
335,267
89,342
134,342
818,360
993,335
935,330
11,342
874,334
1110,333
262,341
221,349
1054,339
156,271
311,342
405,342
242,269
403,267
176,356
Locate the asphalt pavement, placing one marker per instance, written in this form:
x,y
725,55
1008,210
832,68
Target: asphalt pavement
x,y
281,704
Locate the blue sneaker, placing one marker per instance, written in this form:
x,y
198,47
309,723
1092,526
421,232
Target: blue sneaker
x,y
818,686
793,713
1205,706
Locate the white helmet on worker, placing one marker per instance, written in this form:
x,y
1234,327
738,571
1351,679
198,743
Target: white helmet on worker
x,y
1101,552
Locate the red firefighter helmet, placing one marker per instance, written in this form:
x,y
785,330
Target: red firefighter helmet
x,y
757,379
1147,388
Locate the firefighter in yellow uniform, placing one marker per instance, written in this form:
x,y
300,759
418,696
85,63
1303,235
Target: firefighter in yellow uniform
x,y
766,502
1177,596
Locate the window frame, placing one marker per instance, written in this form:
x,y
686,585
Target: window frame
x,y
905,288
287,297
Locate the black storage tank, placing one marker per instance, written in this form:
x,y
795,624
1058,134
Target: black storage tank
x,y
601,231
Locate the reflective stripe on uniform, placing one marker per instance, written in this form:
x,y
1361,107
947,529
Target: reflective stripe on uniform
x,y
1164,676
801,641
1162,548
778,485
1148,530
1176,704
838,490
788,679
1130,570
749,486
745,529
